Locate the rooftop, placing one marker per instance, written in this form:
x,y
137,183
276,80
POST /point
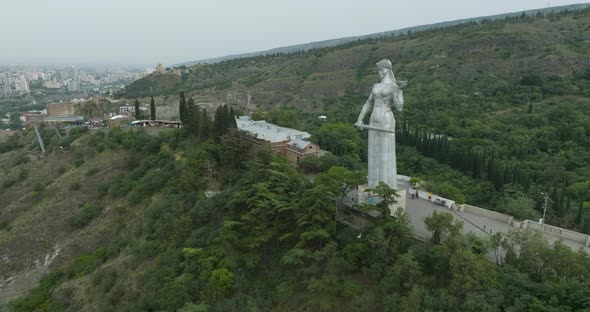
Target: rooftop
x,y
270,132
63,118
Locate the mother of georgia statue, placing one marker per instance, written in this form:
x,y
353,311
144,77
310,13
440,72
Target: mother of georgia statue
x,y
387,93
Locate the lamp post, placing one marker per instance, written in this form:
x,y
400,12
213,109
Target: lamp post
x,y
544,211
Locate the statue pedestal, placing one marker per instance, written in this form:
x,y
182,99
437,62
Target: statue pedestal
x,y
401,202
366,197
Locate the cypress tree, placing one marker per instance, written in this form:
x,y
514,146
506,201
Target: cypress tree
x,y
204,126
193,117
196,122
218,122
152,109
182,108
232,118
226,119
137,112
561,203
190,107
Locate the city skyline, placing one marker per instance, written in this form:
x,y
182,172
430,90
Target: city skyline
x,y
22,80
145,33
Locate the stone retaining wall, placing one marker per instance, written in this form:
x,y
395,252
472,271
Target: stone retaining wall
x,y
487,213
558,232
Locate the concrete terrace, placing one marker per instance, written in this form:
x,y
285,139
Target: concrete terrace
x,y
480,225
418,209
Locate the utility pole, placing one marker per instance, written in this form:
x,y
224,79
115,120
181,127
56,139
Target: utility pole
x,y
40,139
544,211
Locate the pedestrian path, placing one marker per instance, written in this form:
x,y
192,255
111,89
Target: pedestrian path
x,y
418,209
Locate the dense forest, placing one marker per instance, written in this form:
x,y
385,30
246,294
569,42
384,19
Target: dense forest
x,y
269,241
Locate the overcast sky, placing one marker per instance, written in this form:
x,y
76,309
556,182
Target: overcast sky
x,y
172,31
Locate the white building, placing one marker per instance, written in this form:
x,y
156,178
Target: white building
x,y
126,109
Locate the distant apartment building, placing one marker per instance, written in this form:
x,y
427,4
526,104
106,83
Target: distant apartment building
x,y
5,90
52,84
290,143
127,109
21,85
74,85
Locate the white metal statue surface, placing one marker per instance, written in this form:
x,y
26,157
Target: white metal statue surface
x,y
387,93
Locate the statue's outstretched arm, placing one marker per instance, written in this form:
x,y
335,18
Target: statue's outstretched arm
x,y
364,111
398,99
398,95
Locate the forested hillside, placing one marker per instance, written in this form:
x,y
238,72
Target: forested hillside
x,y
510,99
201,219
341,41
147,239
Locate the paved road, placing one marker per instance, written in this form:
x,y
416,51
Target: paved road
x,y
418,209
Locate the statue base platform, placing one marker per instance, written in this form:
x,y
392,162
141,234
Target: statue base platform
x,y
360,196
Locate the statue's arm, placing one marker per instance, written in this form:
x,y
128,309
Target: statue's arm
x,y
398,100
364,110
398,95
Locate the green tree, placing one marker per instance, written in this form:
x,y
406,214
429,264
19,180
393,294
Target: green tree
x,y
403,275
315,218
176,292
137,111
339,138
232,118
204,126
182,108
581,190
219,285
442,226
15,123
221,121
471,273
152,109
522,208
388,195
235,149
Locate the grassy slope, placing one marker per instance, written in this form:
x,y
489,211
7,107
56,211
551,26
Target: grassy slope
x,y
452,57
35,210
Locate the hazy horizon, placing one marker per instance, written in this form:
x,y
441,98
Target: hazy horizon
x,y
145,33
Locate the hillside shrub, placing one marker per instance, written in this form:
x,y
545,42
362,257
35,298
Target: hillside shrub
x,y
8,183
86,214
22,159
74,186
39,298
22,175
86,264
78,162
61,170
91,172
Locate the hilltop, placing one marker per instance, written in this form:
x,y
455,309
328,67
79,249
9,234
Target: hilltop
x,y
385,34
463,59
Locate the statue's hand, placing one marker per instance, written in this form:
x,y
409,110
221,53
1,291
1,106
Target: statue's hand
x,y
359,124
402,83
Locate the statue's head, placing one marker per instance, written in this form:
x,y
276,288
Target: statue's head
x,y
384,66
384,63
